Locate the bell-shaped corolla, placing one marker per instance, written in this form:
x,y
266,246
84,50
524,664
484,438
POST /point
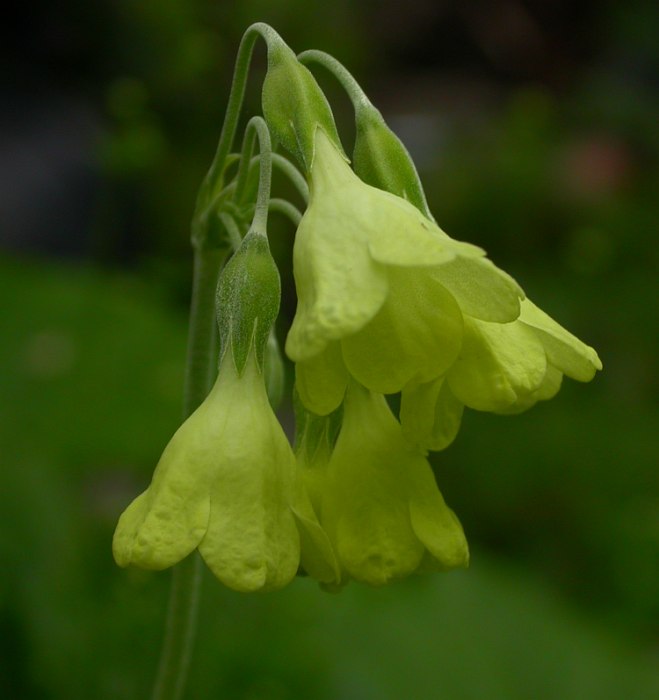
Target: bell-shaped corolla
x,y
507,368
502,368
225,486
381,288
378,500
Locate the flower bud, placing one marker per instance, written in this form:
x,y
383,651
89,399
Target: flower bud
x,y
380,159
293,103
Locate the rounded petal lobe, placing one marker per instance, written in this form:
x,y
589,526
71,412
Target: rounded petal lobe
x,y
435,524
499,364
400,235
321,381
167,522
481,289
548,388
339,287
564,350
416,335
430,415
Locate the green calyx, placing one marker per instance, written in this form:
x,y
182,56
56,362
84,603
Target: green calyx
x,y
247,300
379,158
293,103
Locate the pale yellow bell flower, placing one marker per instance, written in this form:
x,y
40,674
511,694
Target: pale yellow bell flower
x,y
503,368
381,288
378,501
225,486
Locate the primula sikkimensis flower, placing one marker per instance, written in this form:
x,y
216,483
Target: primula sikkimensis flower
x,y
224,485
506,368
381,289
377,499
503,368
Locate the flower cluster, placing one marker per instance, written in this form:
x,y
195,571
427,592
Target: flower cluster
x,y
387,303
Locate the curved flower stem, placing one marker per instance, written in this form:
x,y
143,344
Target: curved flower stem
x,y
186,576
260,220
245,163
235,236
283,206
293,174
340,72
365,112
214,177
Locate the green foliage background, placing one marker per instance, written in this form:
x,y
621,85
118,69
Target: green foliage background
x,y
552,167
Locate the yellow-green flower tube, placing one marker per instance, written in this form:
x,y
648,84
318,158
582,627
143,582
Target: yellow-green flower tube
x,y
225,486
378,501
381,289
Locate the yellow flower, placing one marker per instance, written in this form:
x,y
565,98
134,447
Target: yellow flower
x,y
503,368
378,501
225,486
381,289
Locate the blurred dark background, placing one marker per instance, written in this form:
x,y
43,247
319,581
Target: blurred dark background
x,y
534,126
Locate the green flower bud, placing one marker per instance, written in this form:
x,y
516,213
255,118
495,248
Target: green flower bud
x,y
247,300
225,486
380,158
293,103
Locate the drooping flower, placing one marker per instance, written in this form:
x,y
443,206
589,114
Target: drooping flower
x,y
224,485
377,499
502,368
381,289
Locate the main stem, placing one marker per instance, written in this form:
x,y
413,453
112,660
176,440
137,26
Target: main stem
x,y
186,576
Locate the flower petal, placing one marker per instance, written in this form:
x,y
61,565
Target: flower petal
x,y
321,381
166,522
565,351
339,287
416,335
549,387
365,506
481,289
430,415
252,541
399,235
498,365
316,552
435,524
